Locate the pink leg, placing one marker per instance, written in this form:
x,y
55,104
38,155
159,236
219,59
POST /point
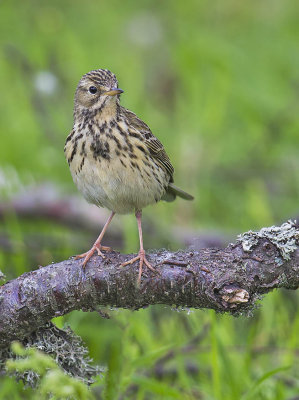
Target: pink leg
x,y
141,254
97,244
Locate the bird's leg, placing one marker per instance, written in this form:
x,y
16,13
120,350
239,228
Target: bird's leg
x,y
97,244
141,254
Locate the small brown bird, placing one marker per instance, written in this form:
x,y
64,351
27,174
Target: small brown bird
x,y
115,160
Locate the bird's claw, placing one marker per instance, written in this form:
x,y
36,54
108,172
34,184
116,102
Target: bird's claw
x,y
142,260
87,255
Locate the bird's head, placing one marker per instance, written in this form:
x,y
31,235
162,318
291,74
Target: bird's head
x,y
96,90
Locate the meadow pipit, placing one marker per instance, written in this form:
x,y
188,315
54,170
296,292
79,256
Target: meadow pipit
x,y
115,160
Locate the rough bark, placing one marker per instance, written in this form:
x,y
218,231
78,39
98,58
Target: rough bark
x,y
226,280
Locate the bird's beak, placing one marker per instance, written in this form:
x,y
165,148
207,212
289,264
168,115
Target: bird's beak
x,y
113,92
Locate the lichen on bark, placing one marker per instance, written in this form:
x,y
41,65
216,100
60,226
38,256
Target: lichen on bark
x,y
63,345
284,237
225,280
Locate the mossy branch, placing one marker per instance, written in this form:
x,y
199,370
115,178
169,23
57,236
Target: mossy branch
x,y
226,280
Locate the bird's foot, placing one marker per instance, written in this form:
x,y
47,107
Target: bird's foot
x,y
89,253
142,260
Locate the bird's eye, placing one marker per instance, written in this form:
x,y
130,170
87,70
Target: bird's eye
x,y
92,89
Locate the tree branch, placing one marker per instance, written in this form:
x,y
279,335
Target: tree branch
x,y
226,280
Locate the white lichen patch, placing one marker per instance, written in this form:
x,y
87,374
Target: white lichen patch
x,y
284,237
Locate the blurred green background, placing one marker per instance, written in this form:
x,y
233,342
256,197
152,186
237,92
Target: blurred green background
x,y
218,83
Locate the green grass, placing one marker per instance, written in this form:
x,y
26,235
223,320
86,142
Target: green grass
x,y
218,84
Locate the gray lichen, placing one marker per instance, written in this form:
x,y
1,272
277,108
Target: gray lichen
x,y
2,276
284,237
64,346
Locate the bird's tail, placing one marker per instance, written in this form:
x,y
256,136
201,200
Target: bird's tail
x,y
172,191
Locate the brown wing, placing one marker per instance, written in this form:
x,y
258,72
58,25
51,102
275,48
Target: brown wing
x,y
153,144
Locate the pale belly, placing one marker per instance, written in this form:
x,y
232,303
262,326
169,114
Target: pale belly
x,y
121,189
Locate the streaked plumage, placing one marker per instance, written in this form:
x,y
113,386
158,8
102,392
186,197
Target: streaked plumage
x,y
115,160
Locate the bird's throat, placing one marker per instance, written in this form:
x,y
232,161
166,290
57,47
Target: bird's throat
x,y
108,111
